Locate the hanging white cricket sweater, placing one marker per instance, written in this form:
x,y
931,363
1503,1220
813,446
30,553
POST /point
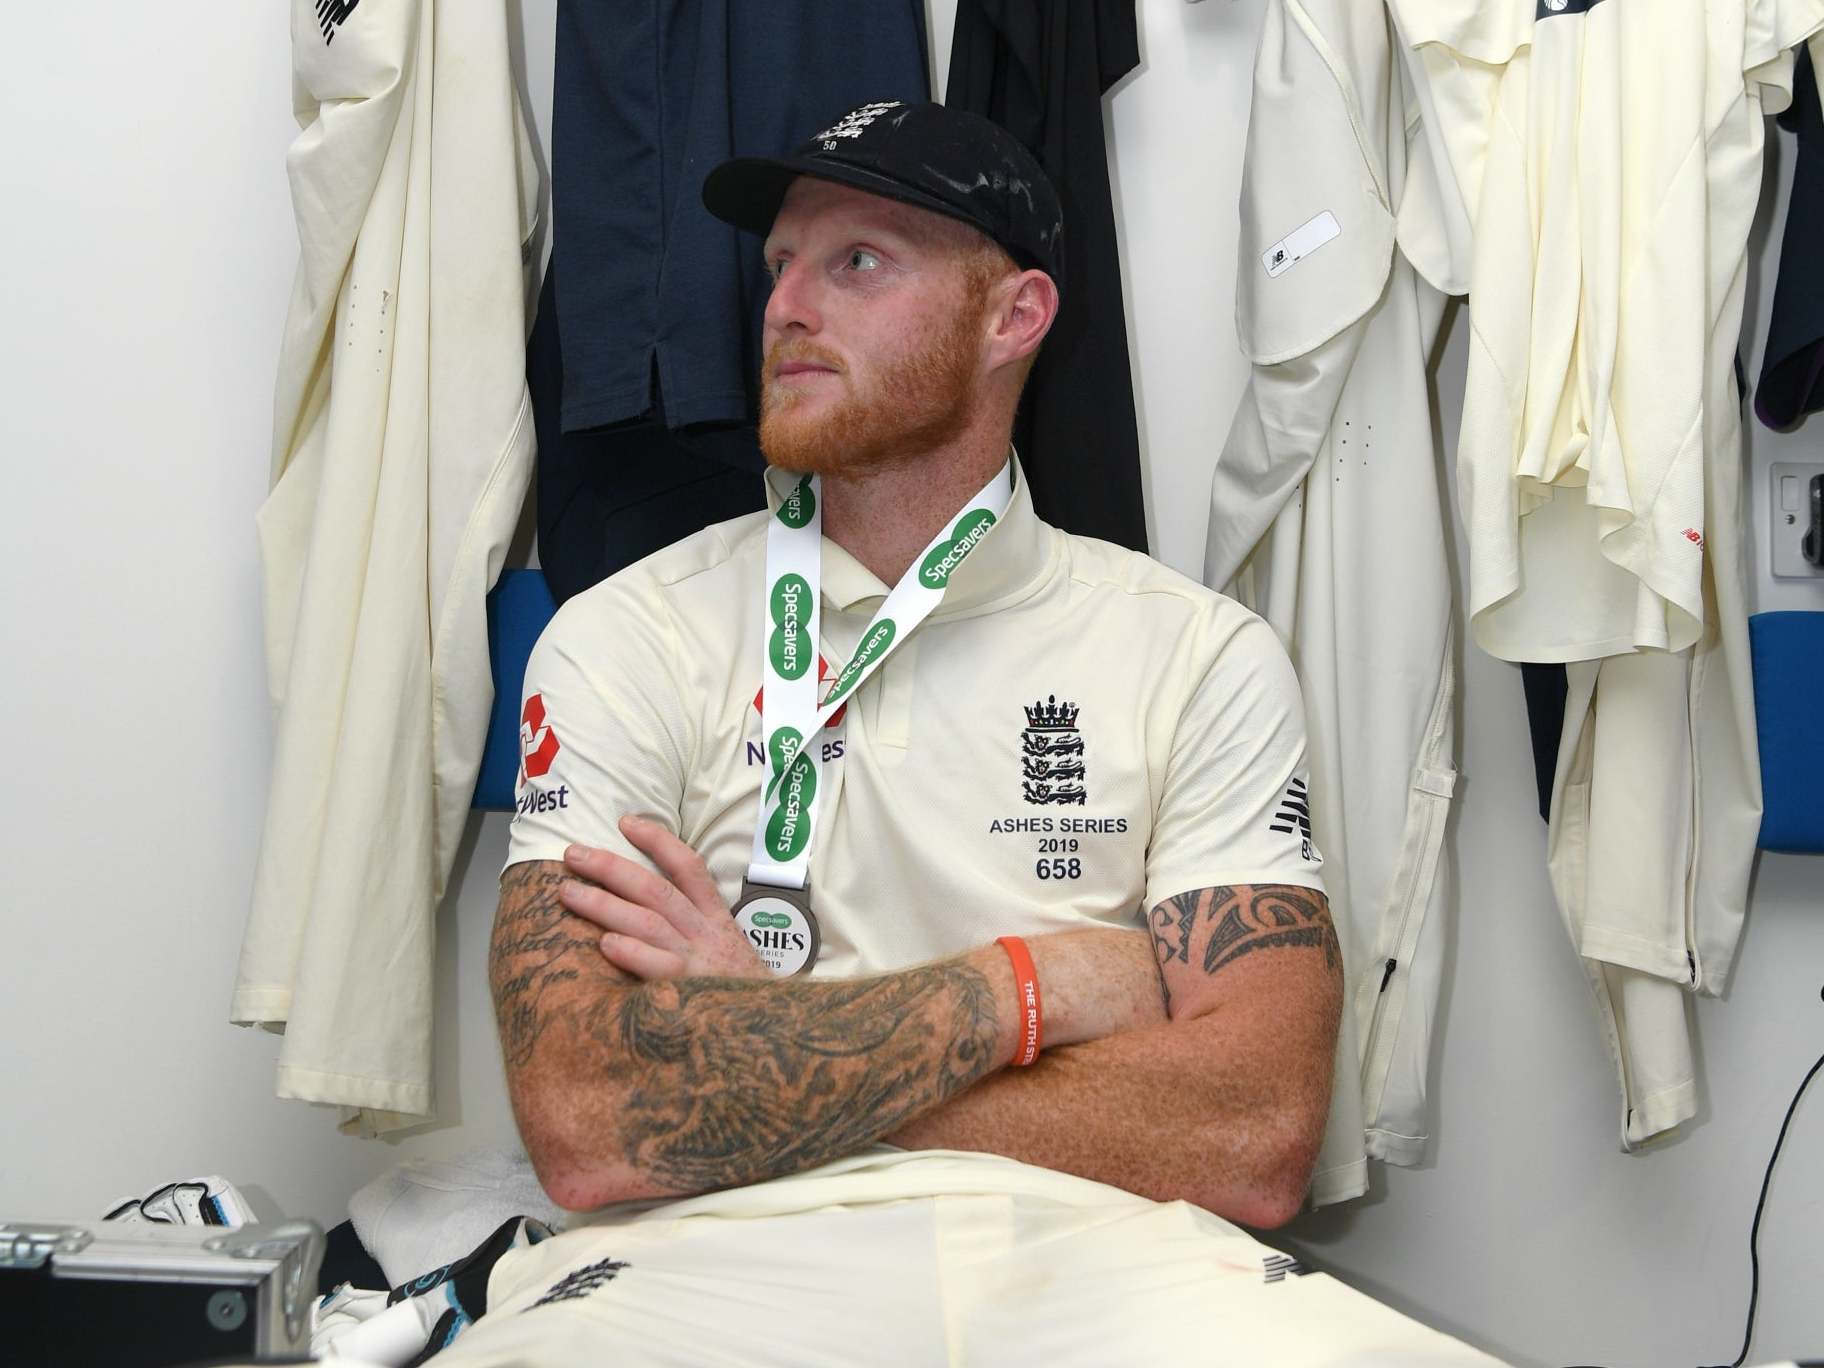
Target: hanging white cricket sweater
x,y
1602,157
402,448
1609,153
1326,517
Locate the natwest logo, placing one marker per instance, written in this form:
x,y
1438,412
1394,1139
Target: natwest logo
x,y
823,673
538,743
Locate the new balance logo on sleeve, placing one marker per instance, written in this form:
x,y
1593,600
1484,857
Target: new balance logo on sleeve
x,y
1295,815
331,15
581,1282
1278,1265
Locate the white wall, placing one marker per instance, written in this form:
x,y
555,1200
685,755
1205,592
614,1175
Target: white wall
x,y
149,252
150,249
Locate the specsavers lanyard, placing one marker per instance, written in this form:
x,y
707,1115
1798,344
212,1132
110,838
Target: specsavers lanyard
x,y
774,909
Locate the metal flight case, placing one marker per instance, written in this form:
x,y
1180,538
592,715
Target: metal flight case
x,y
143,1295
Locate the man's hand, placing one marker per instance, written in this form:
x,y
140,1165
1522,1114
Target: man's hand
x,y
657,926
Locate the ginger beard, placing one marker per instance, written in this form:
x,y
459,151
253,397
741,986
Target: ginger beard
x,y
907,405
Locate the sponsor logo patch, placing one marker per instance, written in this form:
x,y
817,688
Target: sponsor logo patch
x,y
1295,815
876,644
823,673
789,647
538,743
964,538
581,1282
789,828
331,15
797,509
1279,1265
536,800
782,748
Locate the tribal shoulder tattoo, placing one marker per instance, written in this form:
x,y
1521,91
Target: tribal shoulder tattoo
x,y
1214,927
710,1082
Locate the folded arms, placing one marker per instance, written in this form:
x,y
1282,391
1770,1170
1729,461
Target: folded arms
x,y
648,1054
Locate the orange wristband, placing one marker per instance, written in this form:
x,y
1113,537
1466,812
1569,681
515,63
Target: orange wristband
x,y
1026,990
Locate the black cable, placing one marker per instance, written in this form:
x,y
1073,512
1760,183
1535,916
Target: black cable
x,y
1754,1231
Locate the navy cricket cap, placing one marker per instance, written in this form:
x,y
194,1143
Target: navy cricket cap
x,y
953,163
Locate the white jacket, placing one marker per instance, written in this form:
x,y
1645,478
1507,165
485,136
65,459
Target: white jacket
x,y
1327,517
1599,462
402,448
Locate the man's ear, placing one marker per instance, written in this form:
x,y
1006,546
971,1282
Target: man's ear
x,y
1026,306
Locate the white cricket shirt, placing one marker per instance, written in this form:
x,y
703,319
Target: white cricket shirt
x,y
1075,735
402,449
1598,145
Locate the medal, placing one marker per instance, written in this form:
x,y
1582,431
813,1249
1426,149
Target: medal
x,y
774,910
778,922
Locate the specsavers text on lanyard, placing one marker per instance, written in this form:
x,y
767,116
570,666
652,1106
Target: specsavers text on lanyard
x,y
775,906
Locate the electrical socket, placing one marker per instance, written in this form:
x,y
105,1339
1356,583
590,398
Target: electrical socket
x,y
1789,508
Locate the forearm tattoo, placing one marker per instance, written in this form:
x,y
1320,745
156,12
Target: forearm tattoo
x,y
724,1081
738,1079
1217,926
537,948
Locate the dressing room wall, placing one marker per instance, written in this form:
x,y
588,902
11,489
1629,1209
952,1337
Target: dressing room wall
x,y
150,250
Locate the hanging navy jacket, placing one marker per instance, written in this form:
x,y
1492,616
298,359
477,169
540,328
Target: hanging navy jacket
x,y
1040,68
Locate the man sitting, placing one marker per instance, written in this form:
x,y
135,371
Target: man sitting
x,y
1012,825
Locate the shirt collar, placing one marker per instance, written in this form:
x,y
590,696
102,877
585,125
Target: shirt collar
x,y
1007,561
